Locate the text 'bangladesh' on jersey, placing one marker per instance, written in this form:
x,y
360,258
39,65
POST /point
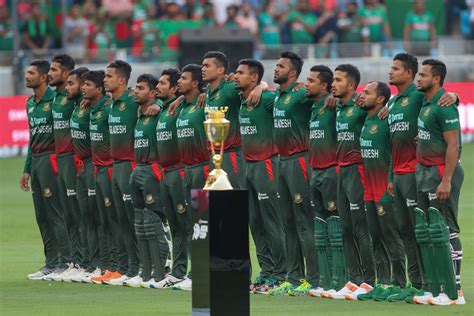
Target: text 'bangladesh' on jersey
x,y
122,120
80,131
62,108
291,115
375,151
227,95
403,111
349,121
256,128
99,132
192,140
433,121
145,139
322,136
166,136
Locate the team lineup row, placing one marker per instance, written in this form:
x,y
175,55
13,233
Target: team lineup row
x,y
345,188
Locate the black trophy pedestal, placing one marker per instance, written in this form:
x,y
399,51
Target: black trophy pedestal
x,y
220,253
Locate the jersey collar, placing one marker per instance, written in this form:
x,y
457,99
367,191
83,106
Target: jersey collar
x,y
435,98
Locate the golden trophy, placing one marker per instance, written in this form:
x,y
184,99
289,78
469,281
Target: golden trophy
x,y
217,128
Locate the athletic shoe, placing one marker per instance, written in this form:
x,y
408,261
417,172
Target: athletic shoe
x,y
386,292
185,285
360,294
97,273
269,285
404,294
40,274
56,272
136,281
302,289
282,289
422,299
72,274
259,281
106,276
116,281
59,277
316,292
77,278
341,294
326,293
150,284
443,300
167,283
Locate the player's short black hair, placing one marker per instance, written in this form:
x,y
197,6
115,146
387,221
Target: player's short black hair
x,y
383,90
408,61
324,75
220,57
352,72
66,61
41,65
196,74
149,79
173,76
438,68
254,67
122,68
79,72
97,77
295,61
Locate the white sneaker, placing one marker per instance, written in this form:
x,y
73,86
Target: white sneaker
x,y
326,294
423,299
341,294
363,289
150,284
77,278
168,282
40,274
118,281
443,300
316,292
54,275
59,277
185,285
94,274
67,277
136,281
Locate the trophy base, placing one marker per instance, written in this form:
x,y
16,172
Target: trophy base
x,y
217,180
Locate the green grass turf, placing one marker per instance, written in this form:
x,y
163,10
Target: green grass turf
x,y
21,253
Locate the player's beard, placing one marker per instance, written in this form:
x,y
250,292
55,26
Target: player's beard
x,y
280,79
426,88
367,107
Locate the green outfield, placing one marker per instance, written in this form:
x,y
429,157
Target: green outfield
x,y
21,253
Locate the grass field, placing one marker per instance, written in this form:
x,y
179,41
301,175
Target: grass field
x,y
21,253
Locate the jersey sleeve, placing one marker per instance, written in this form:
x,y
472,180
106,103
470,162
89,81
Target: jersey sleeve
x,y
448,118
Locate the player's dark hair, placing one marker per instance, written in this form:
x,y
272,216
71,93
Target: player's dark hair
x,y
295,61
66,61
41,65
324,75
383,90
408,61
196,74
220,57
122,68
97,77
352,72
149,79
78,72
438,68
254,67
173,76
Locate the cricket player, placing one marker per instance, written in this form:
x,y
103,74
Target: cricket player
x,y
291,115
439,177
260,154
387,245
41,165
350,192
193,147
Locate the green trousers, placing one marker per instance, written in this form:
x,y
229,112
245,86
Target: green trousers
x,y
389,253
323,186
48,211
295,201
265,217
110,252
68,198
172,195
404,187
355,233
121,192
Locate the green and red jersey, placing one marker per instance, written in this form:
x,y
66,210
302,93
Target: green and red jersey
x,y
403,111
145,146
166,136
420,26
375,151
322,136
80,132
192,139
349,121
40,122
62,108
122,119
256,128
433,121
227,95
291,115
99,132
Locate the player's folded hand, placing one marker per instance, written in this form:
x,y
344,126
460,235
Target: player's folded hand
x,y
24,182
443,190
